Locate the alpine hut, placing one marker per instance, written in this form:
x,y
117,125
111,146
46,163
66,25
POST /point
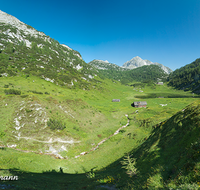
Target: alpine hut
x,y
116,100
140,104
159,83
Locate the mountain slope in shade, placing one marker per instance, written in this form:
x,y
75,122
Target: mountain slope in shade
x,y
139,62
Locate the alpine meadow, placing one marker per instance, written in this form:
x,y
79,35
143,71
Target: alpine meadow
x,y
68,124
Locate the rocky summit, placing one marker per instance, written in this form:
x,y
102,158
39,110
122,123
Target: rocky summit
x,y
139,62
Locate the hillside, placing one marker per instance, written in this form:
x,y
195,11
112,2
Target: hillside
x,y
25,51
147,72
109,70
38,128
125,76
169,157
187,77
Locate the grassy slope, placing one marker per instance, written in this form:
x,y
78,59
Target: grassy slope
x,y
87,107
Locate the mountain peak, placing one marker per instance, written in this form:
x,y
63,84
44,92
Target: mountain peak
x,y
102,61
11,20
137,57
139,62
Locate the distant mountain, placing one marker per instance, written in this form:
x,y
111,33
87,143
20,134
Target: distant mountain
x,y
24,50
143,73
108,70
147,73
187,77
139,62
105,65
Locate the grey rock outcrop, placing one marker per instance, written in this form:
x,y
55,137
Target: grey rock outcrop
x,y
139,62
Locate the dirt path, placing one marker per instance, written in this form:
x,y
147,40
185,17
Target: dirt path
x,y
101,142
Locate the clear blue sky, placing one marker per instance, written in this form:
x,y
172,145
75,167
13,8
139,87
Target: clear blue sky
x,y
163,31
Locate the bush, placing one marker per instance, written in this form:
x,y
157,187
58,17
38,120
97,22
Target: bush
x,y
35,92
6,86
12,91
122,131
55,124
24,96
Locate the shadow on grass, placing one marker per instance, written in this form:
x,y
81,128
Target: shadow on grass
x,y
169,155
48,180
165,95
168,152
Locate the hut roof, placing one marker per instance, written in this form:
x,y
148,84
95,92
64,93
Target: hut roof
x,y
116,100
143,103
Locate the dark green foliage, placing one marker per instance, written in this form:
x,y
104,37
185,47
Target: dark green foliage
x,y
55,124
12,91
27,110
2,134
35,92
6,86
24,96
187,77
147,74
146,122
122,131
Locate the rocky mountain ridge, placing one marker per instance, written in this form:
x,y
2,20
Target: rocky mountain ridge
x,y
105,65
139,62
27,51
132,64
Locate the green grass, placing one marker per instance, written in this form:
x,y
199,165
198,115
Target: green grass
x,y
89,117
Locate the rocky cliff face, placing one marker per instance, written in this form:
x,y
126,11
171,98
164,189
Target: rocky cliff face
x,y
22,29
139,62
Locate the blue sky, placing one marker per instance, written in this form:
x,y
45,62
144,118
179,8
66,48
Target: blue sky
x,y
163,31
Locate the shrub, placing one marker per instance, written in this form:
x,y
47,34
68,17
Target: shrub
x,y
6,86
90,174
35,92
24,96
129,164
27,110
12,91
56,124
122,131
